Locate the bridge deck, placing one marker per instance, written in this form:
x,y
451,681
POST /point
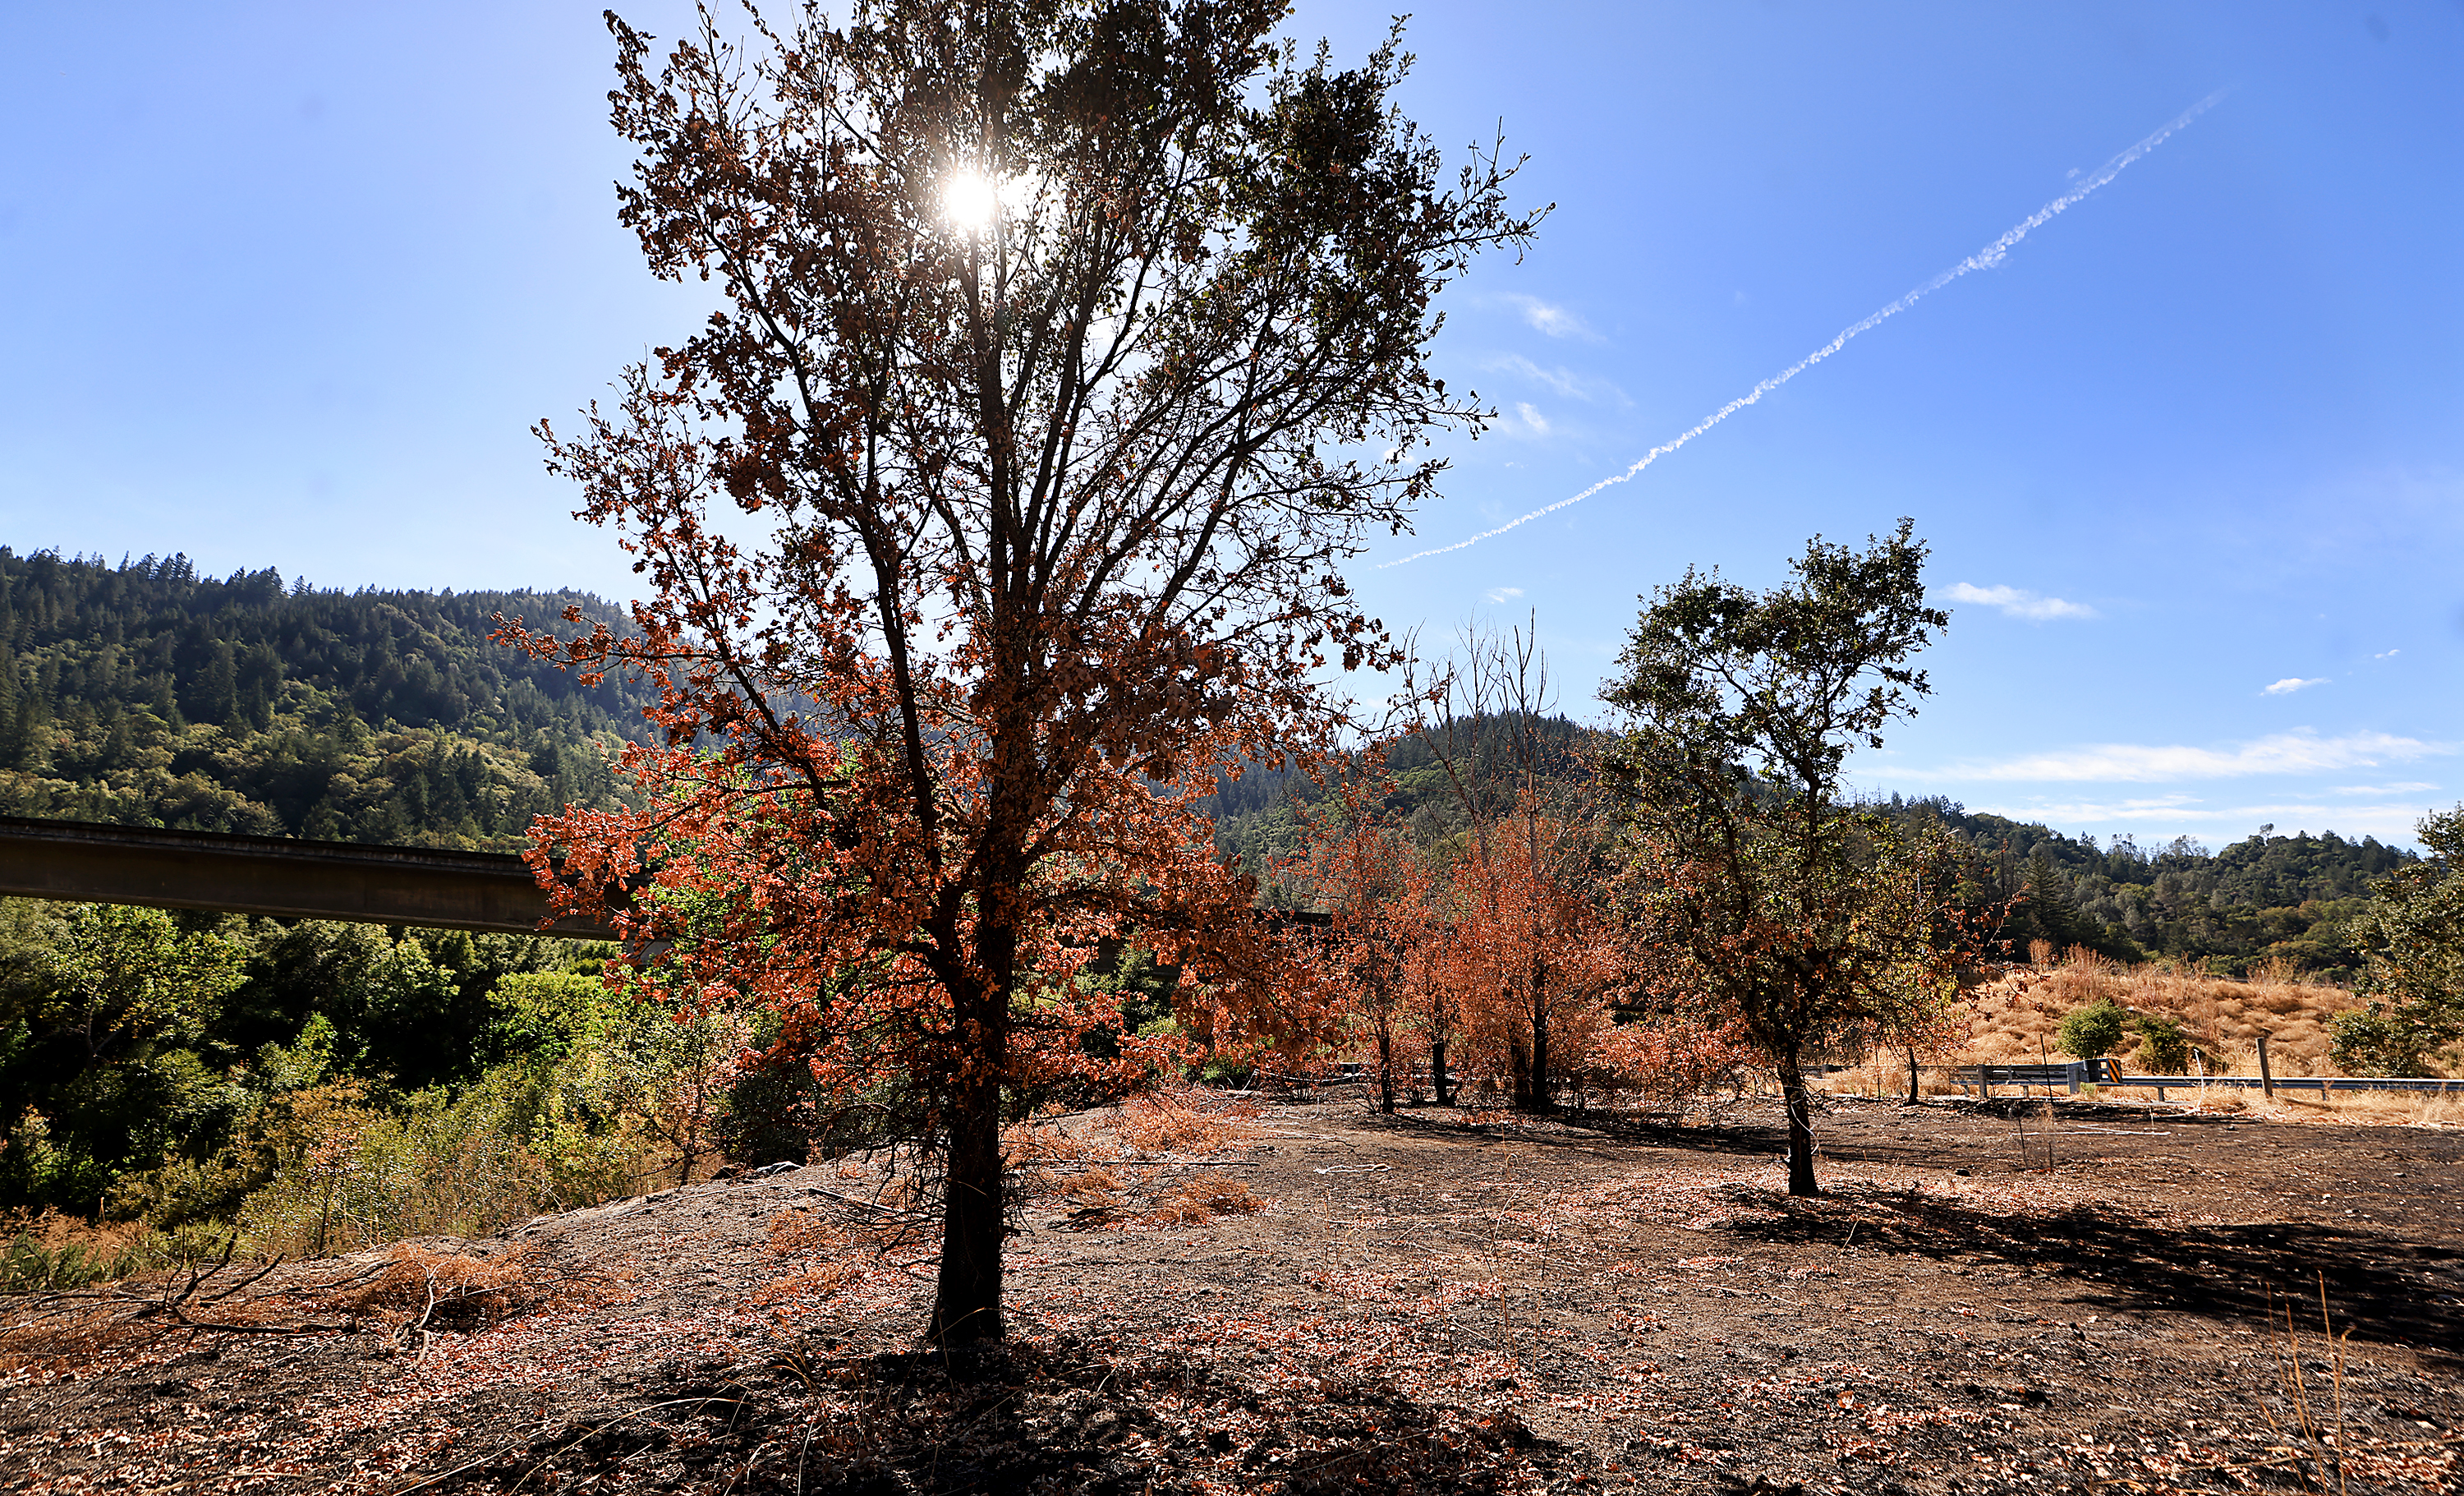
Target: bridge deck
x,y
275,875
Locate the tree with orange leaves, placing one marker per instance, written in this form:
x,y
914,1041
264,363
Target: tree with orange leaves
x,y
1535,954
1375,888
1530,952
1067,352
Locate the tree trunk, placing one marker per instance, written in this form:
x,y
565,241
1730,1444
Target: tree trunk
x,y
1800,1121
1913,1097
1541,1101
1437,1070
1385,1068
967,1298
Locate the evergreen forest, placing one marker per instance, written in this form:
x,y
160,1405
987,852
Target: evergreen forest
x,y
145,694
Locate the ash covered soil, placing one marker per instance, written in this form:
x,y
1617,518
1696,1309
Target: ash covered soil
x,y
1433,1302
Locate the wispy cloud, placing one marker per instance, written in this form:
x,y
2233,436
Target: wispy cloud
x,y
2296,752
2389,655
1504,594
1561,379
1532,420
1985,258
2162,806
2407,788
2382,820
2017,601
2291,684
1555,321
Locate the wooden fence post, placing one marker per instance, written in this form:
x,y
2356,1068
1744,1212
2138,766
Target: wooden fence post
x,y
2266,1077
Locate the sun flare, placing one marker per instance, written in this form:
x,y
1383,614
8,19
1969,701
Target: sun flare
x,y
969,200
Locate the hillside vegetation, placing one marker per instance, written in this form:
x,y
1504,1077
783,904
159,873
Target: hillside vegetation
x,y
2265,901
143,693
2269,902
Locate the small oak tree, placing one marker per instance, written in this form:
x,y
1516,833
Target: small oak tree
x,y
1069,351
1755,887
2413,937
1536,954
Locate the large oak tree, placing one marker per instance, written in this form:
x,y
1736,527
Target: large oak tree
x,y
1069,350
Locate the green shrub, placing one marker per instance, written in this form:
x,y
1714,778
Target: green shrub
x,y
2094,1030
348,1176
2379,1042
2164,1050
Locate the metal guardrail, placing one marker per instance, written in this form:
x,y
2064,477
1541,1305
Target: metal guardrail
x,y
2322,1083
2070,1074
2073,1074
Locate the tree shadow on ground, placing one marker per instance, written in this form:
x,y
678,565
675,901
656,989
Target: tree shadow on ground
x,y
1022,1416
1588,1130
2379,1287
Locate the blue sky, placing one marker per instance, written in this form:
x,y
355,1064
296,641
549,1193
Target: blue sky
x,y
290,283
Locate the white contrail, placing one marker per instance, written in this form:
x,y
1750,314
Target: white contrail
x,y
1985,259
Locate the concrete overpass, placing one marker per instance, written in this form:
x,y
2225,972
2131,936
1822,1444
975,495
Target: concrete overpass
x,y
87,863
82,862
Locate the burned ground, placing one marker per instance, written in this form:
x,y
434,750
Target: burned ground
x,y
1419,1304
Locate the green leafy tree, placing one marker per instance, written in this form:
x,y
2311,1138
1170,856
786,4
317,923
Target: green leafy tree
x,y
128,982
100,1063
2378,1042
2412,940
2163,1049
1756,888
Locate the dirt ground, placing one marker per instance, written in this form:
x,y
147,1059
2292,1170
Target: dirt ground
x,y
1989,1298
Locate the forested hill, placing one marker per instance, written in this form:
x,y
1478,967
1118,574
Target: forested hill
x,y
144,693
1257,816
2267,898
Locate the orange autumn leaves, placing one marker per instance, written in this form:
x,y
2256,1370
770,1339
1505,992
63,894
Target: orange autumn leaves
x,y
1490,959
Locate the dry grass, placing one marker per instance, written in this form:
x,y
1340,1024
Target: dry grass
x,y
806,1233
1183,1122
1028,1144
53,1251
1097,1186
2017,1016
422,1289
2350,1109
1199,1201
417,1283
813,1280
794,1231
